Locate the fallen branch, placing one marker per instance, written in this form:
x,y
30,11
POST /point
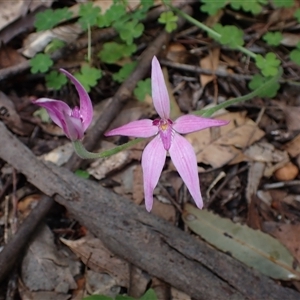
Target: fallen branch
x,y
141,238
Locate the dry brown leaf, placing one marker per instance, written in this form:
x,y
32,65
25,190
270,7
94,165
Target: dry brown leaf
x,y
240,133
293,147
26,294
101,283
287,234
230,62
165,211
43,268
290,39
12,10
52,129
93,253
10,117
266,153
177,52
256,172
291,116
10,57
210,62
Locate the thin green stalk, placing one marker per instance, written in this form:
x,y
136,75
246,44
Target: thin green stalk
x,y
89,55
208,112
83,153
246,51
213,33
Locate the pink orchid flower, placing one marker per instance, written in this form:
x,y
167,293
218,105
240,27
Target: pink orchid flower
x,y
74,122
167,138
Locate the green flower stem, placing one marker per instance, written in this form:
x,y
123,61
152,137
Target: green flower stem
x,y
213,33
208,112
89,55
246,51
83,153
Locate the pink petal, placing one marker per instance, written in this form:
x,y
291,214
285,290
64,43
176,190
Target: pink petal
x,y
72,128
184,159
153,160
191,123
86,107
160,94
141,128
55,109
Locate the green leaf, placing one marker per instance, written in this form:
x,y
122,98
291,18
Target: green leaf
x,y
49,18
231,36
252,247
124,72
297,14
113,51
129,31
88,15
149,295
169,19
56,44
103,21
147,4
273,38
115,13
84,175
252,6
40,63
269,92
141,13
268,64
295,56
212,7
97,297
88,76
142,89
55,80
43,115
124,297
283,3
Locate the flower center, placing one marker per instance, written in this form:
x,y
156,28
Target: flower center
x,y
165,131
76,113
163,124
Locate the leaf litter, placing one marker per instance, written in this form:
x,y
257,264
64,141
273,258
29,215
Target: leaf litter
x,y
252,175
